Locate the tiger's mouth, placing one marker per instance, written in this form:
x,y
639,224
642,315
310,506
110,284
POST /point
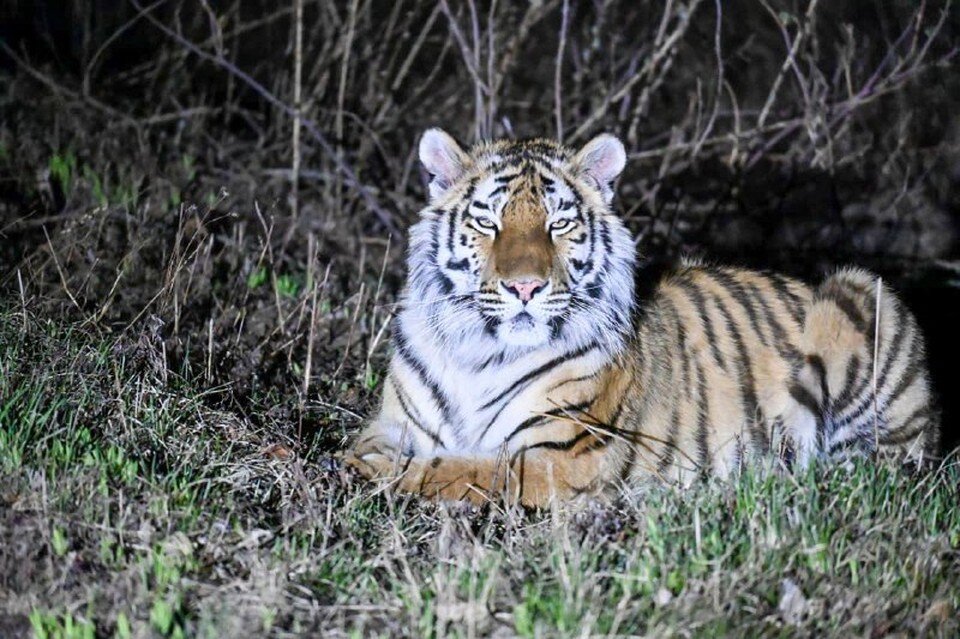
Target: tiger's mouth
x,y
523,329
523,322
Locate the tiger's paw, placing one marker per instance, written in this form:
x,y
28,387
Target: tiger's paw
x,y
371,465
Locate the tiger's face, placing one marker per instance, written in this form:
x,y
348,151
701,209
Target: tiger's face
x,y
520,242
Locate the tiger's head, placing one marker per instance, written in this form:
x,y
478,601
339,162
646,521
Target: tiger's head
x,y
520,244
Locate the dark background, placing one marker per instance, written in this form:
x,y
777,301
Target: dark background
x,y
146,184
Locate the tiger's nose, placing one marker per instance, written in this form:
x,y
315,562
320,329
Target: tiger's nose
x,y
525,289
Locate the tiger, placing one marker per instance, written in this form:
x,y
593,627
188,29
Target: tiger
x,y
524,367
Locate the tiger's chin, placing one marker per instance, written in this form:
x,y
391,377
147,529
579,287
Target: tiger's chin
x,y
524,331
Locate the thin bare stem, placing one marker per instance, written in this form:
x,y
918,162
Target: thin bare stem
x,y
876,357
297,107
558,72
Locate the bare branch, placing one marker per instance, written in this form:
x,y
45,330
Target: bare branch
x,y
349,175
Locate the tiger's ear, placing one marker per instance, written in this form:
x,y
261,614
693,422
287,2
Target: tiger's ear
x,y
443,159
601,160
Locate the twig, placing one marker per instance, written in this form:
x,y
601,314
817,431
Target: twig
x,y
350,177
311,335
56,262
479,86
210,350
89,68
415,49
342,92
718,91
353,325
649,66
876,356
23,301
789,61
297,107
376,301
558,73
57,88
482,120
491,57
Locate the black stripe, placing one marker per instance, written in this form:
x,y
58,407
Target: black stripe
x,y
781,342
461,265
738,292
803,397
848,307
612,423
666,459
556,326
583,266
671,310
845,396
540,370
910,374
629,463
434,251
856,441
746,383
496,358
601,440
867,401
696,296
791,301
517,386
908,431
403,349
434,437
444,283
684,357
568,444
452,230
605,236
573,380
536,420
592,230
703,407
493,420
816,363
554,445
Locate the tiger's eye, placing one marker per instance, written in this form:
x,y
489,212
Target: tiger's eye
x,y
561,225
484,223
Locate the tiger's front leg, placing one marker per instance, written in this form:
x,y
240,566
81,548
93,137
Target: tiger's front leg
x,y
476,480
533,477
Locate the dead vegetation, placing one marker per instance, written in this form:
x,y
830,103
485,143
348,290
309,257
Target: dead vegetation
x,y
236,274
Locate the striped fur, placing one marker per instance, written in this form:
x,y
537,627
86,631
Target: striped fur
x,y
574,390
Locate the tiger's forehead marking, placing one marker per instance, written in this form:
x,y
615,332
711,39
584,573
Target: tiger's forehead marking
x,y
525,202
506,154
523,175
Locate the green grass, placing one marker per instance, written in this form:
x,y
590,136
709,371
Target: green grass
x,y
135,503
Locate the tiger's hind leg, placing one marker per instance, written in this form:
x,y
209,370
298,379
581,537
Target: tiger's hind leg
x,y
846,403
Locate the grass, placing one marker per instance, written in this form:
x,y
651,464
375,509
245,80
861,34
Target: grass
x,y
132,505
